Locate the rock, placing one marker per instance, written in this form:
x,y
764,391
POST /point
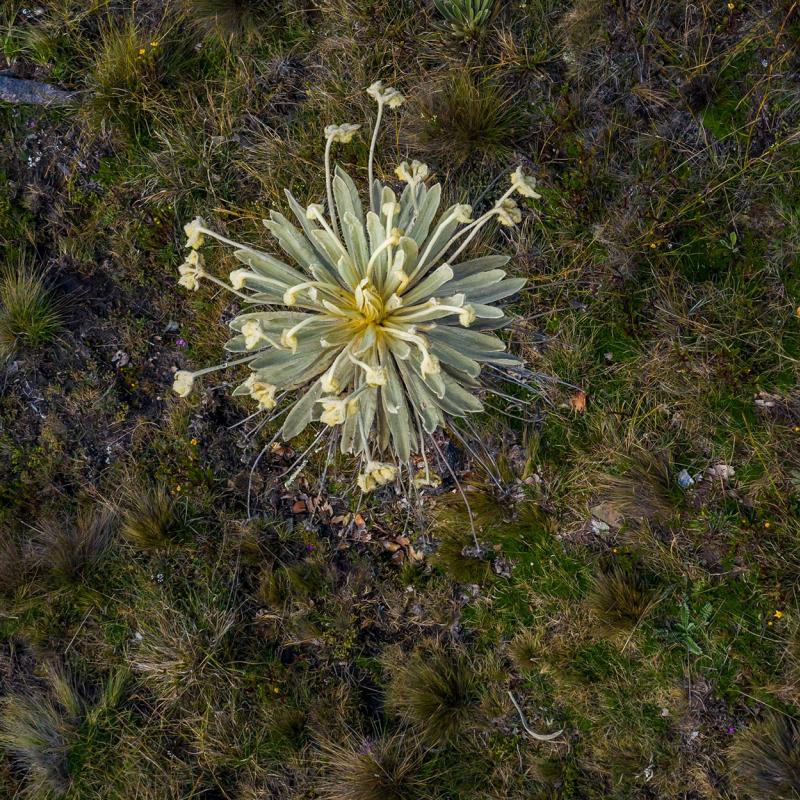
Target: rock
x,y
685,480
724,472
606,514
19,91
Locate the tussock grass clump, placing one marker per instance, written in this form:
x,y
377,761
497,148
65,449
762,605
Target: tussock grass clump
x,y
35,728
182,652
454,521
13,564
386,769
235,18
438,691
461,119
66,551
644,491
525,650
455,556
765,759
621,595
582,29
136,73
152,518
291,582
29,314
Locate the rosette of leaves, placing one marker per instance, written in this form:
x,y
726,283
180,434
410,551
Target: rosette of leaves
x,y
466,19
372,316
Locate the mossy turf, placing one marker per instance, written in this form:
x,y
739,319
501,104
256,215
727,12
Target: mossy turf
x,y
176,624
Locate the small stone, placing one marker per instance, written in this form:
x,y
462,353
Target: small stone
x,y
724,472
685,480
598,526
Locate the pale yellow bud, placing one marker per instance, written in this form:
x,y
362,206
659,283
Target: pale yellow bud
x,y
253,334
523,184
334,410
194,234
341,133
183,382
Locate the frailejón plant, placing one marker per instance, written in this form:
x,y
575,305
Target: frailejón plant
x,y
382,329
465,18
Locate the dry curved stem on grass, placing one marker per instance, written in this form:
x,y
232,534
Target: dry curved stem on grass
x,y
540,737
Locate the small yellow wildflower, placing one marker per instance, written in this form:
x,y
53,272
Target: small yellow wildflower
x,y
767,524
195,442
142,51
778,614
276,689
153,44
731,6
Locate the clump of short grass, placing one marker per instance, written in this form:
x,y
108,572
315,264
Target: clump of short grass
x,y
152,518
765,759
621,595
438,691
525,650
456,557
29,314
461,119
644,490
235,18
66,550
35,727
290,582
458,523
382,769
136,73
181,650
13,564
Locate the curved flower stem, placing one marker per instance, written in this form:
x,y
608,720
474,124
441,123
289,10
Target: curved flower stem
x,y
540,737
424,257
227,364
329,184
472,229
224,285
386,244
486,217
419,313
293,331
374,206
322,221
220,238
364,438
419,341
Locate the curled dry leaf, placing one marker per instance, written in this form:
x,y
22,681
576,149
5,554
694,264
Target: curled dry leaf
x,y
578,402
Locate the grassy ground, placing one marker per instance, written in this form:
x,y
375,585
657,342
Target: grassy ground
x,y
155,643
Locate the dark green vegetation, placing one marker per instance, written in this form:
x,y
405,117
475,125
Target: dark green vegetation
x,y
157,643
